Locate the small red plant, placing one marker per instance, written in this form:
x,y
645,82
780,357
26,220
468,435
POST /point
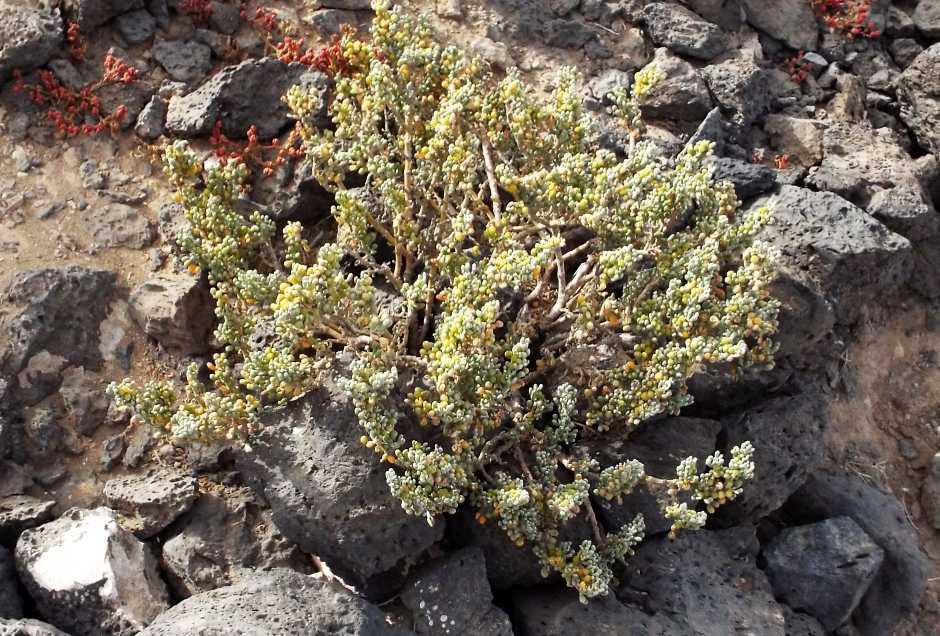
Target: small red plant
x,y
199,10
76,44
253,153
782,162
265,20
78,112
849,17
797,68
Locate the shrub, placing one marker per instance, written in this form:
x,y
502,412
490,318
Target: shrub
x,y
510,294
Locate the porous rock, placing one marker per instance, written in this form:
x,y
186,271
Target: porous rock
x,y
451,595
48,323
683,31
87,575
93,13
244,95
823,568
897,588
557,612
119,225
919,97
741,89
148,503
21,512
706,582
831,245
174,309
11,604
787,433
184,61
29,36
279,601
790,21
328,492
926,18
660,445
221,539
681,94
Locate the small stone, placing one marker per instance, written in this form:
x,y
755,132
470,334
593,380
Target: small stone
x,y
92,177
802,139
119,225
150,121
332,21
21,159
111,451
184,61
494,52
452,9
904,51
174,309
148,503
225,18
138,441
136,26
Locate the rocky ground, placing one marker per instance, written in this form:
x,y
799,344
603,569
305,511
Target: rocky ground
x,y
105,529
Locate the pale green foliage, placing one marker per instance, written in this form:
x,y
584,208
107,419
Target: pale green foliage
x,y
498,280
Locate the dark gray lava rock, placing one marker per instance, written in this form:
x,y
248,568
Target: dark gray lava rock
x,y
150,121
452,596
683,31
48,324
222,538
787,433
184,61
11,604
93,13
136,26
706,582
21,512
89,576
660,445
244,95
175,309
897,589
29,36
327,491
749,179
741,88
831,245
119,225
557,612
926,18
276,602
919,97
680,95
85,399
823,568
791,21
148,503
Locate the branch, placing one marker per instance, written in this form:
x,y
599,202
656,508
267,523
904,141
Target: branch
x,y
490,173
599,535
